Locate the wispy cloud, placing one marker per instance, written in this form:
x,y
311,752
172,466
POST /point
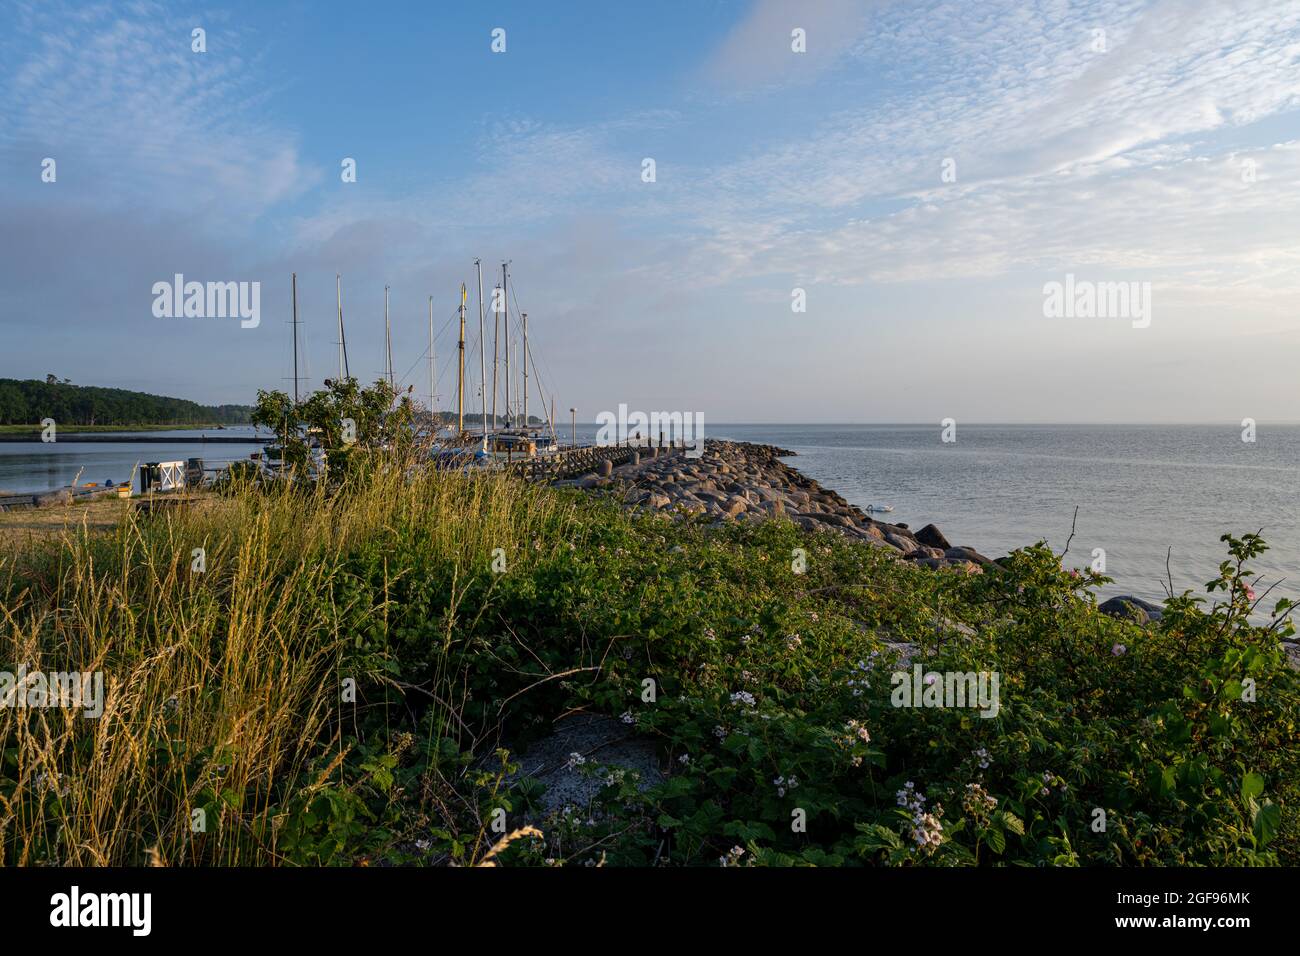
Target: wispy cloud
x,y
760,51
1068,144
131,114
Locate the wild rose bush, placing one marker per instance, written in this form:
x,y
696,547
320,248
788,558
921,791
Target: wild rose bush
x,y
1114,743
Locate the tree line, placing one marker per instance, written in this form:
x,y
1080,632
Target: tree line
x,y
28,401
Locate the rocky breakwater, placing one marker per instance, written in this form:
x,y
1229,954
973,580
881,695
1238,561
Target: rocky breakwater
x,y
740,481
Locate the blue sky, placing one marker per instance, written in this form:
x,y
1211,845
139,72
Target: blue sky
x,y
1114,156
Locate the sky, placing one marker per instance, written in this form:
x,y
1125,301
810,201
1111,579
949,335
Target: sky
x,y
915,176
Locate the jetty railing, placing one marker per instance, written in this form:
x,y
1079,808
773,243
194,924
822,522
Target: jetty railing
x,y
572,462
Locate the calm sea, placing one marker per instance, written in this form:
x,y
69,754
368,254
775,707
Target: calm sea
x,y
36,466
1140,490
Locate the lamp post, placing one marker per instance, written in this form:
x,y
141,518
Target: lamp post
x,y
574,413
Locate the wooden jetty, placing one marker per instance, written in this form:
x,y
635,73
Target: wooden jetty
x,y
572,462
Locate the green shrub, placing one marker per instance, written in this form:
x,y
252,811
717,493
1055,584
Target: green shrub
x,y
771,695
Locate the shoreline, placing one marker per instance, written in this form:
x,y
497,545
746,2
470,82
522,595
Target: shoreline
x,y
740,481
33,432
746,481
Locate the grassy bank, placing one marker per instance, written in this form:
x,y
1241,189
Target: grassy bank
x,y
343,676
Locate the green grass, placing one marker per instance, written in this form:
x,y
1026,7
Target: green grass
x,y
769,651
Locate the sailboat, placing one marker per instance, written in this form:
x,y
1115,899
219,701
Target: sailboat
x,y
492,443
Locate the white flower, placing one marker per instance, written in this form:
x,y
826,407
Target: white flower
x,y
733,856
910,799
628,717
743,697
927,831
576,760
858,730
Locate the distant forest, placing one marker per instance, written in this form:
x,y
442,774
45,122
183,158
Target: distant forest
x,y
27,401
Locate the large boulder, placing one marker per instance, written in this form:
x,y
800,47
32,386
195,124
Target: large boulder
x,y
966,554
1133,608
737,506
906,545
838,521
932,537
599,740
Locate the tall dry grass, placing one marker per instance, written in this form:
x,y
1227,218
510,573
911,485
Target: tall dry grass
x,y
220,681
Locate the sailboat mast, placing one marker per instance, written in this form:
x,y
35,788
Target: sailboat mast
x,y
482,352
505,312
433,385
460,379
293,278
388,342
524,316
343,354
496,332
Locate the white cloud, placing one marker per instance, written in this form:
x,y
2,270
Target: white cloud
x,y
758,52
117,97
1064,154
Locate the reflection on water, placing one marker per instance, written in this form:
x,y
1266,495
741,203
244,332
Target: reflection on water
x,y
39,466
